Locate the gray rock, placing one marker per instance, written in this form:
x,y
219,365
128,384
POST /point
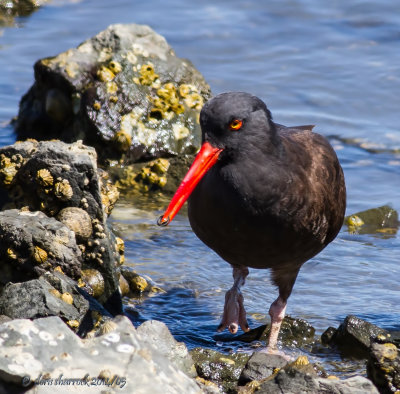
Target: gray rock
x,y
41,355
293,381
123,91
36,298
32,243
260,366
354,336
384,367
157,334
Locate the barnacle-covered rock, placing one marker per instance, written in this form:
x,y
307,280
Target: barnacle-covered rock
x,y
77,220
132,99
63,181
21,233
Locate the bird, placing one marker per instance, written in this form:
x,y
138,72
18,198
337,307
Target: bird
x,y
262,196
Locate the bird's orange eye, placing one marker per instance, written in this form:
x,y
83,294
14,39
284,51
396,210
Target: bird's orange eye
x,y
236,124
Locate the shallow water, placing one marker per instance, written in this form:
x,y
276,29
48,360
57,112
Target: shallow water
x,y
334,65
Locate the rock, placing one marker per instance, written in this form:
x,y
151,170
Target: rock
x,y
156,334
293,333
354,336
41,356
53,294
32,243
222,369
383,220
291,380
383,367
19,7
62,181
123,91
260,366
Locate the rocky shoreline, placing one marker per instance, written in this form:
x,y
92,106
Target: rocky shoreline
x,y
118,113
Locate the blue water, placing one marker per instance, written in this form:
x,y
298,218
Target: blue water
x,y
336,65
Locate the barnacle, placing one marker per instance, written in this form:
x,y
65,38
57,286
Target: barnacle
x,y
8,169
39,255
147,74
67,298
104,74
96,105
95,280
44,177
160,166
122,140
115,66
77,220
63,190
194,100
11,254
112,87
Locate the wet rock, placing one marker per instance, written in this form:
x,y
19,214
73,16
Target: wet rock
x,y
156,334
138,284
123,91
260,366
293,333
353,337
222,369
383,220
62,181
291,380
12,8
32,243
115,362
384,367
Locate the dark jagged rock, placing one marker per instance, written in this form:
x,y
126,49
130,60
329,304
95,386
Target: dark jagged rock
x,y
353,337
222,369
293,333
384,367
156,334
260,366
123,91
61,181
116,362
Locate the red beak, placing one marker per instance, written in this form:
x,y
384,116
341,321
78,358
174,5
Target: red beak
x,y
205,159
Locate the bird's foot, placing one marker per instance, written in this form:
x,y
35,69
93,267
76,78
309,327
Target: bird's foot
x,y
234,312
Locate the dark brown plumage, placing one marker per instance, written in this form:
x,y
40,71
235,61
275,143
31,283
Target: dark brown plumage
x,y
273,197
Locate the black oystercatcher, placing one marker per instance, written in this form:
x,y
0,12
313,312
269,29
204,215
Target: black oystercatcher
x,y
261,195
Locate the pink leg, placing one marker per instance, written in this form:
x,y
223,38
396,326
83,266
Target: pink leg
x,y
234,312
277,313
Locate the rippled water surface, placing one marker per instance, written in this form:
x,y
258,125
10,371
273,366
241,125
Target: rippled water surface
x,y
335,65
